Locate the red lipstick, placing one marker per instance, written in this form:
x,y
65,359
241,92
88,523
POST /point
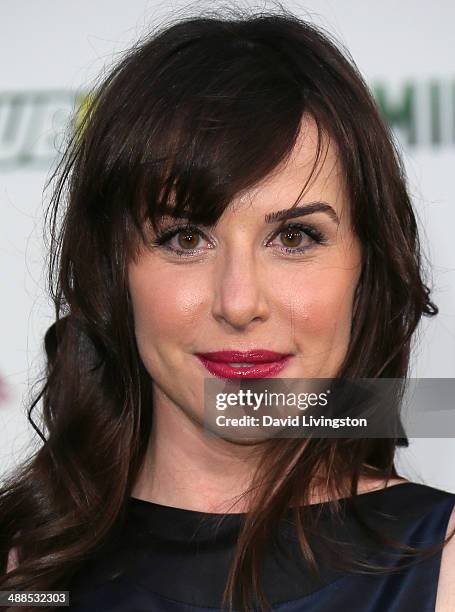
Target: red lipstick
x,y
255,363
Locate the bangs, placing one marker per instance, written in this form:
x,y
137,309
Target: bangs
x,y
185,123
219,132
213,119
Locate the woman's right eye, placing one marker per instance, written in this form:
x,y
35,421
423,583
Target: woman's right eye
x,y
182,241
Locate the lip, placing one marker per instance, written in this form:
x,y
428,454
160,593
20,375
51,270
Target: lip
x,y
266,364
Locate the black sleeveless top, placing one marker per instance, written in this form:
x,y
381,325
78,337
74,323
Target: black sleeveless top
x,y
166,559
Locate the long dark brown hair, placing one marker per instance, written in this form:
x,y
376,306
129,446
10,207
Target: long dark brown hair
x,y
200,110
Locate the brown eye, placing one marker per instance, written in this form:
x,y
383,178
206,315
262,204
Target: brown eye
x,y
291,237
188,239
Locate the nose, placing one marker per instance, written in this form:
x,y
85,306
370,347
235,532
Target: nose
x,y
240,296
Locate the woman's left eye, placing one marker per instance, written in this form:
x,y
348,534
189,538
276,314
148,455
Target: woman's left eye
x,y
293,236
185,240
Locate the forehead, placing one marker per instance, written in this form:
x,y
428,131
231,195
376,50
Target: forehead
x,y
313,166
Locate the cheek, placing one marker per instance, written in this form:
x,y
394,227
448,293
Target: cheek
x,y
319,302
164,305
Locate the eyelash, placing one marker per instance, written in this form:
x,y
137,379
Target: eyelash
x,y
166,235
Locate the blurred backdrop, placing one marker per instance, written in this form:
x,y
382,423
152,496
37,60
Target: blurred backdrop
x,y
52,52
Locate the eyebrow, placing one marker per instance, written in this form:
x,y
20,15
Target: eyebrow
x,y
301,211
287,213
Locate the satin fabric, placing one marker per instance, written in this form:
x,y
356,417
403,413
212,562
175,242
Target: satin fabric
x,y
165,559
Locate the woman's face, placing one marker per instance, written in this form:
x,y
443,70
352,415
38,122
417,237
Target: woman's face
x,y
241,286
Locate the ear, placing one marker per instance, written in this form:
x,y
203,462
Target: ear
x,y
357,293
360,283
13,560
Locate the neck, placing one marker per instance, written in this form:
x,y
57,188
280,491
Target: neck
x,y
186,467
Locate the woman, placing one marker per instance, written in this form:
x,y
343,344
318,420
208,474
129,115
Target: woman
x,y
231,191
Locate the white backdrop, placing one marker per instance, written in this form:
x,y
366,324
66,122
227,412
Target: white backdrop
x,y
50,49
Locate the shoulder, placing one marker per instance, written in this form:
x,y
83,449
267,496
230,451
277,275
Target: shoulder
x,y
445,601
438,508
428,512
415,514
413,500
